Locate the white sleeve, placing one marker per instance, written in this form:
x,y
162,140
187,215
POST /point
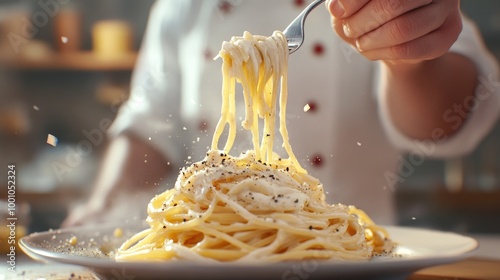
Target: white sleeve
x,y
152,110
485,105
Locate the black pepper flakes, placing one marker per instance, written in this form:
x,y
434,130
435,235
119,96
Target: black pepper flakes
x,y
310,227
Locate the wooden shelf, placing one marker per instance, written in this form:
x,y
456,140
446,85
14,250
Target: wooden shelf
x,y
470,199
61,198
80,61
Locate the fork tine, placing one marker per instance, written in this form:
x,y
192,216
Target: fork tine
x,y
295,30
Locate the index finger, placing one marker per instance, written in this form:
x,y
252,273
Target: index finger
x,y
345,8
376,13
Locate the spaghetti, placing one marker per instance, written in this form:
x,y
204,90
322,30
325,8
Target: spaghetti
x,y
257,206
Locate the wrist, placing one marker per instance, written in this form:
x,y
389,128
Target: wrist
x,y
408,66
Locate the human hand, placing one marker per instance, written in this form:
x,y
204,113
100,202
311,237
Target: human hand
x,y
126,206
397,31
125,184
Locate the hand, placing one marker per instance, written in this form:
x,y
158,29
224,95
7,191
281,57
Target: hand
x,y
125,184
397,30
126,206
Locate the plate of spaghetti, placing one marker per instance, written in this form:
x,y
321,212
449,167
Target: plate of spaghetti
x,y
95,247
250,214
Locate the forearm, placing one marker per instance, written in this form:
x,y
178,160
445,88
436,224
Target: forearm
x,y
418,95
129,165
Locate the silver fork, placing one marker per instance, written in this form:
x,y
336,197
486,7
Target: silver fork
x,y
295,31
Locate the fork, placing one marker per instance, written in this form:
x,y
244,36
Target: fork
x,y
295,31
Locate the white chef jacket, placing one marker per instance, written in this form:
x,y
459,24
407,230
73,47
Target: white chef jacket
x,y
346,138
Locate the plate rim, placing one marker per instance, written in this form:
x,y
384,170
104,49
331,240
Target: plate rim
x,y
403,264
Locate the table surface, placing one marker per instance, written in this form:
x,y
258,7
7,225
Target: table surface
x,y
484,263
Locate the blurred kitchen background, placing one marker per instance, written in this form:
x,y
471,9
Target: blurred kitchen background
x,y
64,82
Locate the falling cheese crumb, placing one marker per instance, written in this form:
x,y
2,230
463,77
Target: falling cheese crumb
x,y
118,233
52,140
307,108
73,240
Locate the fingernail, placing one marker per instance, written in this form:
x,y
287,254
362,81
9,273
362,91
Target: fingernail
x,y
337,9
358,45
346,29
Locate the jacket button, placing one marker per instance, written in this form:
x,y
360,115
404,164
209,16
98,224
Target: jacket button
x,y
203,125
298,3
311,106
225,7
318,49
208,55
316,160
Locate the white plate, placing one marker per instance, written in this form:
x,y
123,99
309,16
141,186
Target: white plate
x,y
419,248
